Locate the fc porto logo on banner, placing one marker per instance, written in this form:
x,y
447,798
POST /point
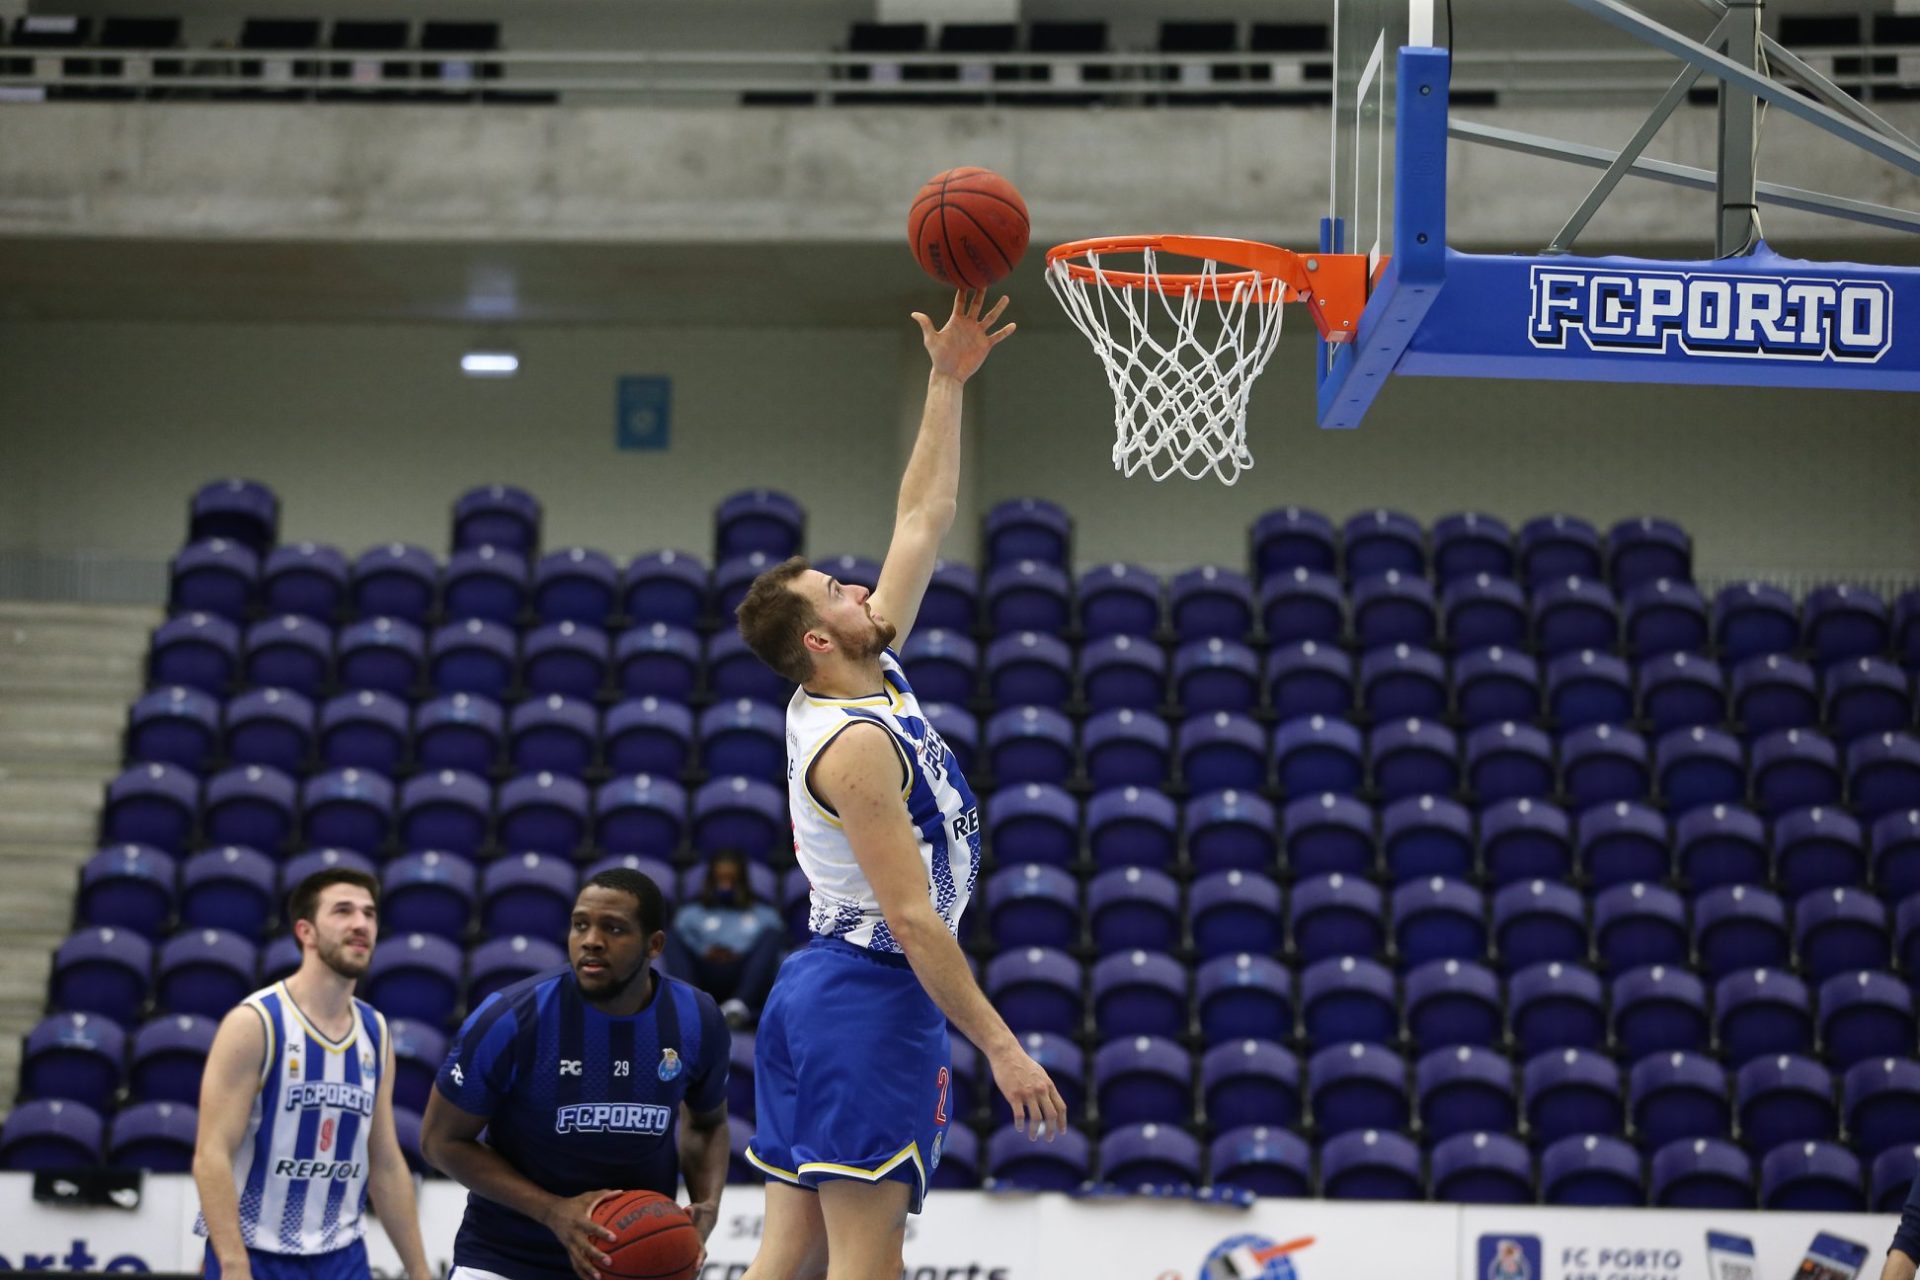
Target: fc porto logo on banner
x,y
1732,315
1509,1257
669,1064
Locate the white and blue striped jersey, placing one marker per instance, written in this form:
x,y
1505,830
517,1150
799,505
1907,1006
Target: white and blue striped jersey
x,y
301,1169
946,819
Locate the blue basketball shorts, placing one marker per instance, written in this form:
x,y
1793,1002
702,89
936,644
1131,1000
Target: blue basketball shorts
x,y
349,1263
851,1072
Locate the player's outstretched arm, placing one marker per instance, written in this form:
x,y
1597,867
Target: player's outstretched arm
x,y
858,774
706,1144
932,480
390,1182
228,1086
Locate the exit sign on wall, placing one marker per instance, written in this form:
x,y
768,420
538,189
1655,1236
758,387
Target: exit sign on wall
x,y
643,412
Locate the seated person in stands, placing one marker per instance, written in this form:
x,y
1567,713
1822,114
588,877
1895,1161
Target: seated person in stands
x,y
726,942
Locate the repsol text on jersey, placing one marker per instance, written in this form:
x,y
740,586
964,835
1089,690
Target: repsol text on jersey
x,y
306,1094
1711,314
317,1170
611,1117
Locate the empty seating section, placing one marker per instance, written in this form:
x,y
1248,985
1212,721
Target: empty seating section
x,y
1484,862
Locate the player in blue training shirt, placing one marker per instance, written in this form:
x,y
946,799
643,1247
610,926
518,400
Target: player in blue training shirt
x,y
851,1058
567,1087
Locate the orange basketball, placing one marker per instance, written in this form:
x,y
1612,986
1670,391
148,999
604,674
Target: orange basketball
x,y
968,227
654,1238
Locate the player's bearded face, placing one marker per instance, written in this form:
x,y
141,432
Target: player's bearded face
x,y
605,944
345,942
863,638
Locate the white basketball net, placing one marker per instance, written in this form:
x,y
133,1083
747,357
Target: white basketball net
x,y
1181,362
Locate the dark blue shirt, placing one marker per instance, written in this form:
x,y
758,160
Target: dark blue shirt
x,y
577,1101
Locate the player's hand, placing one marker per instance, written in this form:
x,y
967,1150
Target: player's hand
x,y
1038,1109
571,1222
960,347
705,1217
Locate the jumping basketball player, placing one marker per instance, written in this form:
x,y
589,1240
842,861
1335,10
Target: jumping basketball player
x,y
296,1110
851,1069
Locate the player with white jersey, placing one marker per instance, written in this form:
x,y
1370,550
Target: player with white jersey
x,y
296,1110
851,1057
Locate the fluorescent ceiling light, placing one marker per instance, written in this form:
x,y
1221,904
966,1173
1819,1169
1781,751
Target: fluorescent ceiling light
x,y
489,364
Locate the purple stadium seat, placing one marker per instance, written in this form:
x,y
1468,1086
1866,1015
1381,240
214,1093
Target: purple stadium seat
x,y
1037,989
744,737
1867,1014
304,577
1659,1009
1367,1164
1784,1098
1720,844
229,888
1880,1098
1309,678
1413,757
733,576
1818,855
555,734
1681,690
1638,923
1150,1155
1622,842
486,582
1032,905
1450,1002
943,666
1592,1171
1702,1173
1127,748
77,1056
1845,621
364,730
959,1167
499,515
1438,918
196,649
1138,826
250,805
176,725
1883,773
505,961
1028,595
1811,1177
1235,912
167,1056
1699,766
1426,836
128,886
1752,619
957,728
1302,604
395,581
418,1051
428,892
952,601
568,658
1118,600
1507,761
1030,744
1027,529
1571,1091
1123,671
527,893
349,809
1016,1162
1793,768
796,905
545,813
448,810
1496,683
1891,1177
1470,543
155,1136
1574,614
666,587
1348,998
1678,1095
1460,1089
1357,1087
458,731
1336,915
1242,997
203,971
1602,763
308,862
406,1131
472,657
272,727
1645,548
1288,538
1383,541
1556,1005
648,735
641,814
1761,1012
1558,546
1663,617
1394,608
1215,674
1136,908
1210,601
759,520
1028,668
740,813
1484,611
1866,695
1328,833
51,1134
657,659
1525,839
1143,1080
1034,822
280,960
1138,993
575,584
1250,1082
289,652
1906,933
244,510
1482,1168
1400,680
1538,921
1774,691
1264,1160
1318,754
1586,686
1896,854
